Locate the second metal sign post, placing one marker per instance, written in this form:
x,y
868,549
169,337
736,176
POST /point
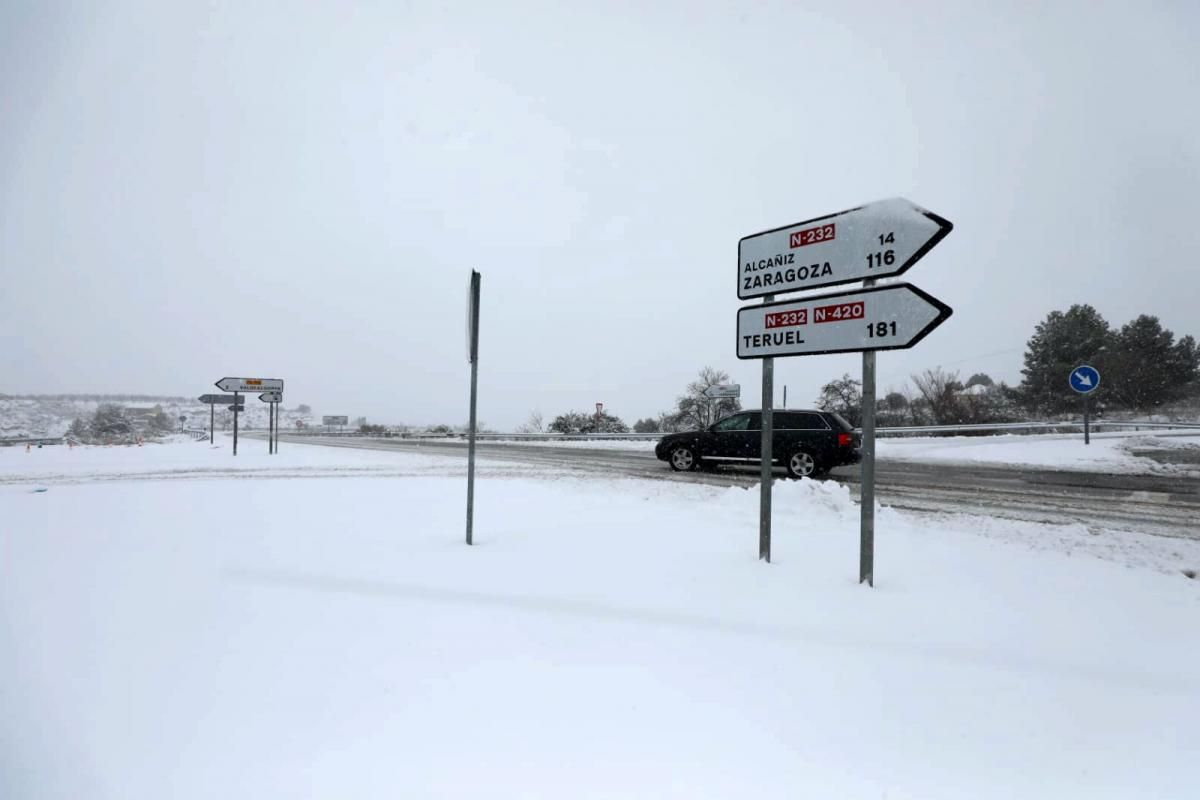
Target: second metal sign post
x,y
873,241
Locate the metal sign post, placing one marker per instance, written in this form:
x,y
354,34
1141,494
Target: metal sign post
x,y
766,474
1085,379
272,399
213,400
473,355
235,421
873,241
866,531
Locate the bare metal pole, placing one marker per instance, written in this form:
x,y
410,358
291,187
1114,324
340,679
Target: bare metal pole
x,y
474,353
767,454
866,548
212,418
235,421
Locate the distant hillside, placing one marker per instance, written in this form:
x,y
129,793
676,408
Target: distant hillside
x,y
51,415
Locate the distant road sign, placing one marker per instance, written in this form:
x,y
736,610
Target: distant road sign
x,y
250,385
219,399
271,397
1085,379
882,318
872,241
731,390
335,420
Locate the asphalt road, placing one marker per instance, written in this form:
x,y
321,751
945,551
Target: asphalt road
x,y
1164,505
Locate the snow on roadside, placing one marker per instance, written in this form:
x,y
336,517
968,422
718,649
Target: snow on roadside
x,y
1108,452
267,638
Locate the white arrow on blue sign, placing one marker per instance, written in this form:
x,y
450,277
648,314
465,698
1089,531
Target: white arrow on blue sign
x,y
1085,379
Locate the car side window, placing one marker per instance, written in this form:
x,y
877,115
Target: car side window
x,y
738,422
810,422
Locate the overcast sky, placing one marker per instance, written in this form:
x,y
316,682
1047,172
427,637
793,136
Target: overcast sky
x,y
299,190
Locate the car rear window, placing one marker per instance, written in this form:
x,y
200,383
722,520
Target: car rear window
x,y
841,421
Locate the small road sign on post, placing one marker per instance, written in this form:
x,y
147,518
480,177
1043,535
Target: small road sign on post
x,y
1084,380
274,399
214,400
879,318
865,243
718,392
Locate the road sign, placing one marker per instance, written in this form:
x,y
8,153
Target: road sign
x,y
335,420
472,317
219,399
271,397
716,392
881,318
872,241
1085,379
250,385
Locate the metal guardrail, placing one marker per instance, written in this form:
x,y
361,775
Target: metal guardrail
x,y
1064,426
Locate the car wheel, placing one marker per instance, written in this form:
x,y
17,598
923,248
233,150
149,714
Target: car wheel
x,y
683,459
802,464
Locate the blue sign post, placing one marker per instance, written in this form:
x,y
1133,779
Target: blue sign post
x,y
1085,380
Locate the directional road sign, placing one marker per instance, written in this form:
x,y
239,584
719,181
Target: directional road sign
x,y
1085,379
335,420
881,318
716,392
250,385
271,397
219,399
872,241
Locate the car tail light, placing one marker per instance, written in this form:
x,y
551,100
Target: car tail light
x,y
845,440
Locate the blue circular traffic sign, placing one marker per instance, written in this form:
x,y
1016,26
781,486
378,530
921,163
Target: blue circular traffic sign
x,y
1085,379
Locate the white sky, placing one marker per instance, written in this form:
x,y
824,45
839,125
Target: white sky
x,y
296,190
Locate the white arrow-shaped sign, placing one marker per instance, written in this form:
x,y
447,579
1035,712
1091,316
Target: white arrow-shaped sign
x,y
250,384
715,391
882,318
271,397
872,241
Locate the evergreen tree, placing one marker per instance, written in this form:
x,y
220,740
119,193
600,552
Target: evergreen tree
x,y
110,420
1147,367
647,425
576,422
1060,343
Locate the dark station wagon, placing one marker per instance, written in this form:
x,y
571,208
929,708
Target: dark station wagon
x,y
805,443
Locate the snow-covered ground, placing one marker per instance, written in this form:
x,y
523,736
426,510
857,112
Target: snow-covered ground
x,y
1108,452
321,630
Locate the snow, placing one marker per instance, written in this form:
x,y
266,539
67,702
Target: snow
x,y
1108,452
322,631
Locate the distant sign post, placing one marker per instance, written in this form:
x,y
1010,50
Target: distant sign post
x,y
273,399
239,385
473,357
335,421
214,400
877,240
1084,380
